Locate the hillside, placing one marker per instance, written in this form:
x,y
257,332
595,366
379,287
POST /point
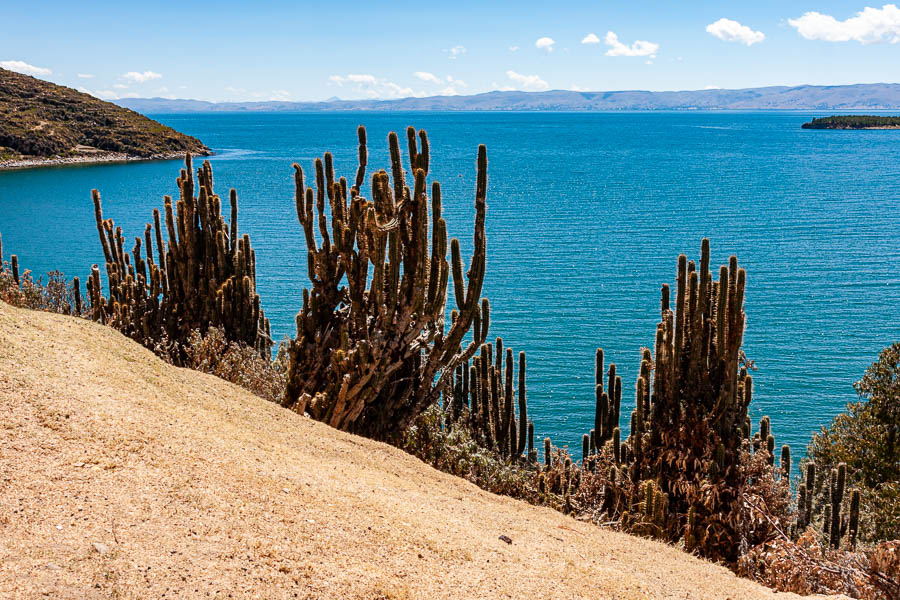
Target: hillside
x,y
876,96
124,477
42,120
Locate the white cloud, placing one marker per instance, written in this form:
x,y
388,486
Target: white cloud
x,y
590,38
527,82
23,67
85,76
638,48
514,48
451,85
455,51
107,94
280,95
426,76
369,86
353,78
451,90
135,77
120,86
578,88
712,87
869,26
732,31
545,43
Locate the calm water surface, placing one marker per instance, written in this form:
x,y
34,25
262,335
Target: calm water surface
x,y
587,214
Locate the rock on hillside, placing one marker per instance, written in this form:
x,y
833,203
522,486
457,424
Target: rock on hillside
x,y
124,477
39,119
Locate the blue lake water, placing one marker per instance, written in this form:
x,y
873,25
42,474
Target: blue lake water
x,y
587,214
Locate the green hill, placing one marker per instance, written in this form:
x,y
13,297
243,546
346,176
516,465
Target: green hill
x,y
42,120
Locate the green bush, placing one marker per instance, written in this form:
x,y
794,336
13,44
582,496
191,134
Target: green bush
x,y
867,437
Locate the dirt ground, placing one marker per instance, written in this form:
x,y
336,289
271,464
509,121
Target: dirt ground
x,y
124,477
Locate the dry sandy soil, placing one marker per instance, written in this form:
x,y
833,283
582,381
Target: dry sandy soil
x,y
123,477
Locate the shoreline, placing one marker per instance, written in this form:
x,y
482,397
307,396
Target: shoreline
x,y
99,158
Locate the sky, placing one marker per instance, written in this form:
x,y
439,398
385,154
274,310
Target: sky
x,y
298,51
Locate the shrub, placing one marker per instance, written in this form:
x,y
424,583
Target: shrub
x,y
866,438
57,295
235,362
457,451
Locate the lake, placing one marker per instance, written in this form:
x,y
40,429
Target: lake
x,y
587,214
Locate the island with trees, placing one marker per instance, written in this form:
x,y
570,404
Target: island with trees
x,y
854,122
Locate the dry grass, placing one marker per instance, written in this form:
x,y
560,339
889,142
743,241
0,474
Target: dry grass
x,y
124,477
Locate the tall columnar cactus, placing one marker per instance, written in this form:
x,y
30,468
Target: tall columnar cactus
x,y
372,349
854,518
786,461
548,455
692,396
14,265
838,483
204,277
532,452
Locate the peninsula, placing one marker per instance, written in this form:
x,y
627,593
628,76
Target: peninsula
x,y
42,123
854,122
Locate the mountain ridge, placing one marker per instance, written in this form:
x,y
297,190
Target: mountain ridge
x,y
862,96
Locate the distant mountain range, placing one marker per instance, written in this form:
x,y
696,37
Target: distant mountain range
x,y
875,96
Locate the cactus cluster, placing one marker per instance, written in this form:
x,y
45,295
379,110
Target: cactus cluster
x,y
205,276
680,473
690,423
483,397
372,349
825,497
691,400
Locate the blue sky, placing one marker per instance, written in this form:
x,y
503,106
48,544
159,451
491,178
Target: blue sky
x,y
311,51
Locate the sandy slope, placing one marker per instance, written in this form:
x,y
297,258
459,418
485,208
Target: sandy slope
x,y
122,477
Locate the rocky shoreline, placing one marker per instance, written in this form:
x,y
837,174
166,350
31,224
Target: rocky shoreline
x,y
98,158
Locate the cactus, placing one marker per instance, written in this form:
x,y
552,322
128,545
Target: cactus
x,y
14,265
585,448
617,455
854,518
691,407
786,461
491,416
371,355
548,457
525,427
801,509
76,293
532,453
838,483
205,277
